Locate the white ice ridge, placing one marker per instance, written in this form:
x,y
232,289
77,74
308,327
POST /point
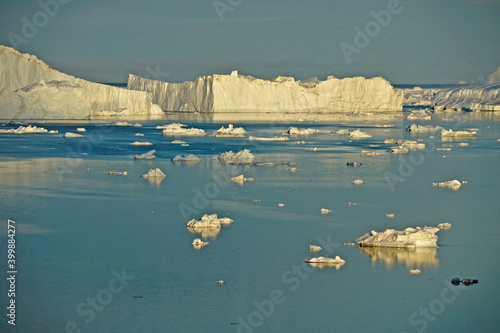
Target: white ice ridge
x,y
409,238
244,155
239,93
175,129
210,221
478,97
30,89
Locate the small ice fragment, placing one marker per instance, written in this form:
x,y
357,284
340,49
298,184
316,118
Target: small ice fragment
x,y
342,131
352,203
178,142
257,200
241,179
314,248
445,225
179,130
326,261
306,131
451,133
281,205
442,149
70,135
221,282
137,143
357,181
198,243
354,164
137,125
116,173
122,123
349,244
81,129
292,169
389,216
139,134
357,134
276,138
415,271
325,211
463,144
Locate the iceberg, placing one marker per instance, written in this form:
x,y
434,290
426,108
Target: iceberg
x,y
423,128
306,131
241,179
239,93
208,226
357,134
450,133
146,156
154,174
30,89
314,248
70,135
198,243
230,131
478,97
408,238
453,184
321,262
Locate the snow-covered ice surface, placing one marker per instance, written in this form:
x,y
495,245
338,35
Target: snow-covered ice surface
x,y
176,129
239,93
76,224
479,97
30,89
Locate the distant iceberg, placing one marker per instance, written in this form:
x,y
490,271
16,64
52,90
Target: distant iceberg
x,y
408,238
239,93
30,89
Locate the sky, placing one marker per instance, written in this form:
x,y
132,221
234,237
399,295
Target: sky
x,y
404,41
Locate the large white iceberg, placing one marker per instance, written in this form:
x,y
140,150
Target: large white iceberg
x,y
408,238
239,93
30,89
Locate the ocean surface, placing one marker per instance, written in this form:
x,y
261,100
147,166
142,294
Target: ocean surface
x,y
101,253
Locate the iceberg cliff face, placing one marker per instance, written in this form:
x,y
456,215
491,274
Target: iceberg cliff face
x,y
30,89
479,97
238,93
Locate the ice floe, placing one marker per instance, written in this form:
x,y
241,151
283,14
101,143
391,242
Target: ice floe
x,y
70,135
241,179
445,225
453,184
423,128
117,173
139,134
198,243
122,123
25,130
137,143
276,138
451,133
415,271
154,174
419,115
358,134
314,248
410,237
306,131
208,226
321,262
175,129
230,131
325,211
357,181
81,129
146,156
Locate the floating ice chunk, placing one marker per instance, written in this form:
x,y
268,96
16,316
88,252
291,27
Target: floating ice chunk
x,y
352,203
291,169
137,143
178,142
357,182
81,129
324,261
53,132
146,156
122,123
244,155
357,134
175,129
186,158
384,126
139,134
463,144
72,135
419,115
240,179
154,173
447,149
389,216
198,243
342,131
221,282
423,128
306,131
415,271
349,244
281,205
209,221
314,248
276,138
450,133
354,164
453,184
325,211
399,150
445,225
25,130
231,131
117,173
137,125
371,153
410,237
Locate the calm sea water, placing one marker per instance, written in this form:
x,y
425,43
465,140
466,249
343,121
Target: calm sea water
x,y
100,253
